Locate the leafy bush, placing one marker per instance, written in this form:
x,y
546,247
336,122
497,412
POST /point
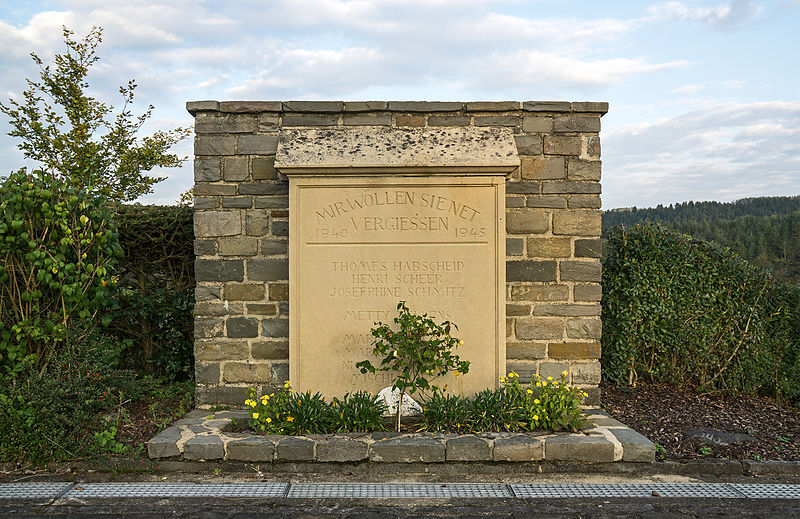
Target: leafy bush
x,y
57,250
687,312
420,351
52,415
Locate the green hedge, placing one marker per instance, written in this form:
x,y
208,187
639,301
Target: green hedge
x,y
685,311
154,296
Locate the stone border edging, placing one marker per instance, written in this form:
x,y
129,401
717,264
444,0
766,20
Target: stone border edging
x,y
203,435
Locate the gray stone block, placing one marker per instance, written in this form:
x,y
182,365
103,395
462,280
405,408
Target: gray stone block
x,y
577,123
227,395
207,170
635,447
206,293
518,448
164,444
407,450
529,144
497,120
546,106
239,327
515,201
219,123
257,144
424,106
205,247
204,448
554,202
584,202
264,168
280,373
280,228
236,168
364,106
272,202
530,270
588,248
342,449
237,202
268,269
493,106
206,373
214,145
449,120
206,189
578,447
257,223
271,247
270,350
296,449
589,106
208,328
217,223
537,124
589,271
205,202
514,246
275,327
268,122
251,449
218,270
468,448
250,107
193,107
264,188
313,106
589,293
550,188
523,188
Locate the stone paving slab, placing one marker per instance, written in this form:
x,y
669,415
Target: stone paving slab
x,y
204,435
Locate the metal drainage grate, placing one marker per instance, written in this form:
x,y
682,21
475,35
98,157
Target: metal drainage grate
x,y
95,490
625,490
756,491
395,491
32,490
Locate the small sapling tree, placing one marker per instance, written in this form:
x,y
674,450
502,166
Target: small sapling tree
x,y
419,352
75,136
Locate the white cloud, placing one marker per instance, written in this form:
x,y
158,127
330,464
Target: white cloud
x,y
730,16
721,152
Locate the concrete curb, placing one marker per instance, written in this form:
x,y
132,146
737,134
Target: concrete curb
x,y
204,435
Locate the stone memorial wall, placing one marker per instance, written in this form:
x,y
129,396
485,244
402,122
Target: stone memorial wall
x,y
483,213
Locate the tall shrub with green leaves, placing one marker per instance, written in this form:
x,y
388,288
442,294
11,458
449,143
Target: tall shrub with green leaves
x,y
76,137
685,311
57,250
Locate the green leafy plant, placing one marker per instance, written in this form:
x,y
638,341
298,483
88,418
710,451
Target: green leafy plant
x,y
74,135
359,412
419,352
556,406
705,451
445,413
287,412
106,442
57,251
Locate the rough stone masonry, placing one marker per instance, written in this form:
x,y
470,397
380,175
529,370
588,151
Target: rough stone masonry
x,y
552,221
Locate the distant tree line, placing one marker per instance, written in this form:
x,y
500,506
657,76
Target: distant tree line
x,y
764,230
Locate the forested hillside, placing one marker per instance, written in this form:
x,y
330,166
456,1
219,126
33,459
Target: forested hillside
x,y
765,231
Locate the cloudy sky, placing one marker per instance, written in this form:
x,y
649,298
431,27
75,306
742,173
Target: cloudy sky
x,y
704,95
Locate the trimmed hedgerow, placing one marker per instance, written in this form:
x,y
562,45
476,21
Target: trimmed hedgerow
x,y
688,312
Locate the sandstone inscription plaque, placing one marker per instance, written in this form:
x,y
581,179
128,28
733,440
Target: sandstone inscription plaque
x,y
362,242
